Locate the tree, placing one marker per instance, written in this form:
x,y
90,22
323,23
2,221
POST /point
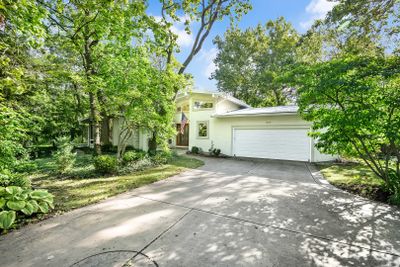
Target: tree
x,y
20,32
250,62
206,12
324,42
367,17
85,26
354,104
137,89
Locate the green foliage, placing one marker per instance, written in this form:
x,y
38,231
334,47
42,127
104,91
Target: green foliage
x,y
25,166
105,164
64,157
16,201
393,186
369,18
7,219
195,150
250,62
7,178
130,156
161,157
215,152
354,104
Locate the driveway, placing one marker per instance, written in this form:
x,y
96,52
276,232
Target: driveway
x,y
227,213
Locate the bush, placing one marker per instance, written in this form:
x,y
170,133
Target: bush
x,y
42,151
109,148
105,164
130,156
393,187
8,178
215,152
130,148
64,157
138,165
161,157
25,166
195,150
16,201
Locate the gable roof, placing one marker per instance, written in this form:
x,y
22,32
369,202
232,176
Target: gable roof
x,y
220,94
279,110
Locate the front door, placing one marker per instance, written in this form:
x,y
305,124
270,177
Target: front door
x,y
182,139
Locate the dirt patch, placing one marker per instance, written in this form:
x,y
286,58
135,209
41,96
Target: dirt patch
x,y
372,192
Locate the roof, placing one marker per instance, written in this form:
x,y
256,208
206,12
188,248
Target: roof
x,y
220,94
279,110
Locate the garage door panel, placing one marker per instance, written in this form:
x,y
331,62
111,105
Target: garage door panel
x,y
289,144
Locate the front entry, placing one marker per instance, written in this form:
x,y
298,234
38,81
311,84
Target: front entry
x,y
182,139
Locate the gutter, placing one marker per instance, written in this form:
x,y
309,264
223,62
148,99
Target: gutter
x,y
253,115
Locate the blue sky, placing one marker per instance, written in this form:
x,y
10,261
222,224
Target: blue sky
x,y
301,13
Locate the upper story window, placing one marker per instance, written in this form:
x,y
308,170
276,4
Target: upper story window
x,y
184,108
203,105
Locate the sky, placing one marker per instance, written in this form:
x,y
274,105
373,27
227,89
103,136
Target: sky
x,y
301,13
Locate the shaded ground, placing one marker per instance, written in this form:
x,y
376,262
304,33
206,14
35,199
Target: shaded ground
x,y
227,213
78,190
355,178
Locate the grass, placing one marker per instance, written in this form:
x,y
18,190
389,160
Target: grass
x,y
74,192
355,178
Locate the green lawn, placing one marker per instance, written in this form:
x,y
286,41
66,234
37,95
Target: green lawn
x,y
355,178
84,189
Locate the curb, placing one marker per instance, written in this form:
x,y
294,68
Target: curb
x,y
319,177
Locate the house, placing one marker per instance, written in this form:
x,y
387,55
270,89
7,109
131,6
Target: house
x,y
218,120
227,123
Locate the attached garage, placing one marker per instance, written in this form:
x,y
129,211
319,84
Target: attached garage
x,y
270,133
272,143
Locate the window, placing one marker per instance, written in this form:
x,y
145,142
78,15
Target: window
x,y
203,105
202,129
184,108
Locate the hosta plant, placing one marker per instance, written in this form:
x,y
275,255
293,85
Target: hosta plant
x,y
16,201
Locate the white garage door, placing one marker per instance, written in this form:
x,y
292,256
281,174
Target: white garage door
x,y
287,144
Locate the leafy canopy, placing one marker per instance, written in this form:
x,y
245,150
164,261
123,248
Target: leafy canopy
x,y
250,62
354,104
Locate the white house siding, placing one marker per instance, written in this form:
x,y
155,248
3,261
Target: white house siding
x,y
132,141
221,130
224,127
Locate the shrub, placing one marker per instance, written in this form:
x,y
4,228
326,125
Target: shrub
x,y
109,148
64,157
8,178
16,201
130,156
138,165
393,187
105,164
195,150
161,157
216,152
25,166
130,148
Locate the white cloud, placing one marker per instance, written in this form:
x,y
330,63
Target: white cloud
x,y
316,9
184,39
207,57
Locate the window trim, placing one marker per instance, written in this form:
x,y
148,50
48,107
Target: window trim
x,y
198,129
204,101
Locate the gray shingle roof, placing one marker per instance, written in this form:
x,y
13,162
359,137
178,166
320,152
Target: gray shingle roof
x,y
259,111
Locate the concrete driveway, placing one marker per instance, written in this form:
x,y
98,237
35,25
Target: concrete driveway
x,y
227,213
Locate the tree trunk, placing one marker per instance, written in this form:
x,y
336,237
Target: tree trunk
x,y
94,118
153,144
94,111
